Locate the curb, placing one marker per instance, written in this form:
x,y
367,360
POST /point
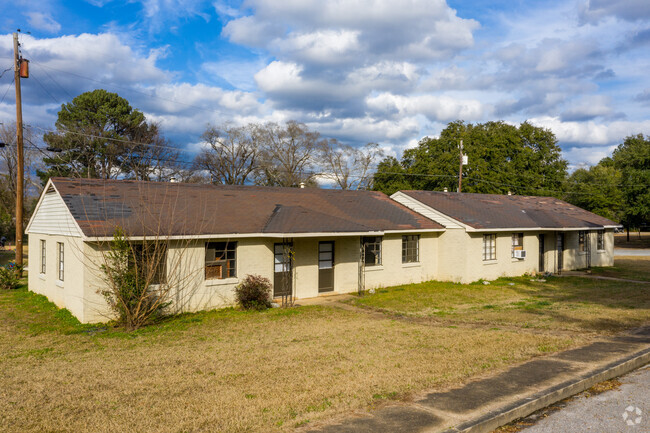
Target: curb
x,y
526,406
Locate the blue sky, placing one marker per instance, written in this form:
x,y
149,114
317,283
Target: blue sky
x,y
390,72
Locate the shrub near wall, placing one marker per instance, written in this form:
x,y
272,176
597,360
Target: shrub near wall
x,y
254,293
8,277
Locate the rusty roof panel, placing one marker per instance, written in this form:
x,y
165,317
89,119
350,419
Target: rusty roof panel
x,y
177,209
492,211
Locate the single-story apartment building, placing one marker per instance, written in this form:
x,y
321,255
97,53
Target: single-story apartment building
x,y
488,235
307,241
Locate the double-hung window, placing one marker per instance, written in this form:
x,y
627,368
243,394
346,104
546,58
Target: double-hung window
x,y
581,241
371,250
489,247
43,256
220,260
517,243
410,248
61,260
600,240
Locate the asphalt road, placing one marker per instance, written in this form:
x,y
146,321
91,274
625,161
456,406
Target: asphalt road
x,y
631,252
624,410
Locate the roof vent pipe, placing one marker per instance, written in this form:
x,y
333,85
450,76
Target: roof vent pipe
x,y
509,193
172,180
445,190
302,184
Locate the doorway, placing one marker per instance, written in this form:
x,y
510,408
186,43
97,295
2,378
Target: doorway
x,y
541,253
325,266
560,252
282,267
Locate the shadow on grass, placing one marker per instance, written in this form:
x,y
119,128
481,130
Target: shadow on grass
x,y
34,314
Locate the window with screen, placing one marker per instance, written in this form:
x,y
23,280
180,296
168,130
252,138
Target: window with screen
x,y
371,250
517,243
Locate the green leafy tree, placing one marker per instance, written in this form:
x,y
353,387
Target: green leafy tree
x,y
502,158
99,135
596,189
632,157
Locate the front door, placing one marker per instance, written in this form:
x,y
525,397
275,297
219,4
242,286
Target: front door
x,y
325,267
282,266
541,253
560,252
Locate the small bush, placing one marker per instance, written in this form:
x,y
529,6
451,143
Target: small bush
x,y
254,293
8,277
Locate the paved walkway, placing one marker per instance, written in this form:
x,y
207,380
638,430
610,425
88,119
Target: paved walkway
x,y
624,409
485,404
598,277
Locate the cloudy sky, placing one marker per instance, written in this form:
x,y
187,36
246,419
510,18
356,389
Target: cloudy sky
x,y
387,71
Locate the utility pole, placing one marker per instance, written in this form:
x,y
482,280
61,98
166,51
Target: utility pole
x,y
20,169
460,168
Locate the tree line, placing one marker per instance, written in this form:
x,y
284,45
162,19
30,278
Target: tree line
x,y
99,135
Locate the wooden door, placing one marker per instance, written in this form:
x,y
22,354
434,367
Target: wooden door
x,y
325,266
282,267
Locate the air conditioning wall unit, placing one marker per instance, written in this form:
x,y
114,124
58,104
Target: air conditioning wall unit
x,y
520,254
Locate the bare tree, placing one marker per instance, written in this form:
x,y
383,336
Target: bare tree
x,y
154,159
289,154
8,179
232,155
350,167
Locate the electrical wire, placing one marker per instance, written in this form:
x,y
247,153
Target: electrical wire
x,y
6,91
6,70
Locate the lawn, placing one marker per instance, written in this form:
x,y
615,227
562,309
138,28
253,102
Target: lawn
x,y
229,370
637,240
566,304
630,267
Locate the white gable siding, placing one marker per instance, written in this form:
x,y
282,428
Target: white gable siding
x,y
428,212
52,217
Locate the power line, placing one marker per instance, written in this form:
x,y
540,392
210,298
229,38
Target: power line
x,y
8,87
120,140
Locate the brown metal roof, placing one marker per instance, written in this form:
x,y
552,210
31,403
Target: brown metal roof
x,y
492,211
177,209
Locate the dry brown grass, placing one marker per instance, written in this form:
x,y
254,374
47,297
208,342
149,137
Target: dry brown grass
x,y
567,304
629,267
229,370
637,240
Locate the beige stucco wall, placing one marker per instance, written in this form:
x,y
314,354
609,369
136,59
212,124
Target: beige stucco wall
x,y
185,271
504,265
393,272
68,293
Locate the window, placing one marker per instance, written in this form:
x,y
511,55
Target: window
x,y
490,247
61,257
517,243
220,260
410,248
43,256
150,261
371,250
600,240
581,241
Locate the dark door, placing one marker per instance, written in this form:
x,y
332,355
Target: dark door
x,y
282,278
325,267
541,253
560,252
